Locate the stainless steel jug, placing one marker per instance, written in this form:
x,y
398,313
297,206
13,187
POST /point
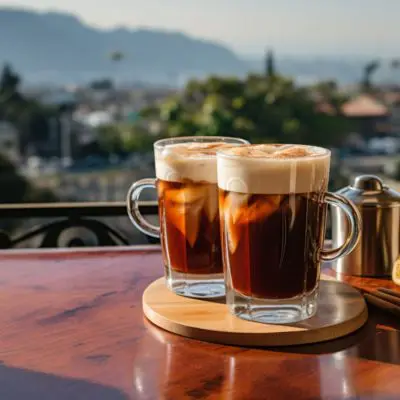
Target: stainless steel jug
x,y
379,246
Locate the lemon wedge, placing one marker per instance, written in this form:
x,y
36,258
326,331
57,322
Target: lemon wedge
x,y
396,272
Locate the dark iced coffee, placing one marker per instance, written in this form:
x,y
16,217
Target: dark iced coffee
x,y
189,217
272,224
191,232
272,242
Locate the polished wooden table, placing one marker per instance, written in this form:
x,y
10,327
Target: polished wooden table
x,y
71,327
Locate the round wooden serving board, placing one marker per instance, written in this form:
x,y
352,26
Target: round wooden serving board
x,y
342,310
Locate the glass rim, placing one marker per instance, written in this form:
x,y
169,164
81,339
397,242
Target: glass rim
x,y
201,139
323,152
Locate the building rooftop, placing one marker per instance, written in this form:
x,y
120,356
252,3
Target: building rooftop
x,y
364,106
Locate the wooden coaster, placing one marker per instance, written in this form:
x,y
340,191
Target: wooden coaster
x,y
341,311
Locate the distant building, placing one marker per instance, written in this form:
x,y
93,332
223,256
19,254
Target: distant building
x,y
9,141
391,99
95,119
370,116
59,98
395,118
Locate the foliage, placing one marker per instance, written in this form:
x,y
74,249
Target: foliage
x,y
270,64
259,108
11,101
102,84
138,140
109,138
120,138
16,189
27,115
395,63
369,70
117,56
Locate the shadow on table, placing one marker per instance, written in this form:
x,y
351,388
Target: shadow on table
x,y
21,384
378,340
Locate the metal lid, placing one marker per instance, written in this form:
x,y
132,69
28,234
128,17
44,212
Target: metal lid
x,y
370,191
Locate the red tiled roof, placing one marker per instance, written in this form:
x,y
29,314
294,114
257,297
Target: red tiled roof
x,y
364,106
325,108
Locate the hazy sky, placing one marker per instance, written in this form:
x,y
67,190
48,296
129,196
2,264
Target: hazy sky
x,y
248,26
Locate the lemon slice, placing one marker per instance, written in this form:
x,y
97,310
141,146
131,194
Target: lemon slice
x,y
396,272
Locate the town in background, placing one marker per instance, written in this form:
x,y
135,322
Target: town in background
x,y
90,139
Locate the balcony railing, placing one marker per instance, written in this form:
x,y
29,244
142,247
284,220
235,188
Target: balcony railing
x,y
75,225
70,224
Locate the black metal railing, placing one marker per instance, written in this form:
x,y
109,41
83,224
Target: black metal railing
x,y
78,224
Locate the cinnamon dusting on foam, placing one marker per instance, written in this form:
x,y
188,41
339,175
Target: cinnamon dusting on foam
x,y
276,151
274,169
256,150
189,161
197,150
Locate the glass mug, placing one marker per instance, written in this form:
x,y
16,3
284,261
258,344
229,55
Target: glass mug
x,y
186,182
273,205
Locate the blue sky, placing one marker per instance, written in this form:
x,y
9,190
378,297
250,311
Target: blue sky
x,y
348,27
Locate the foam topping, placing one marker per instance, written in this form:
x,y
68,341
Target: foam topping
x,y
189,161
274,169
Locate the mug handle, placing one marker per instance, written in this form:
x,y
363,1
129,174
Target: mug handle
x,y
132,205
353,216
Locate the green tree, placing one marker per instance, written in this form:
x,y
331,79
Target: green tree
x,y
9,81
118,138
102,84
11,101
16,189
110,139
30,117
138,140
270,64
395,65
117,56
369,70
257,108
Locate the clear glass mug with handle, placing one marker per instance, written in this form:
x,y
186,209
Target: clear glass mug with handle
x,y
186,183
273,204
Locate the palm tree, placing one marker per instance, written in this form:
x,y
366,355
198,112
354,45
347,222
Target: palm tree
x,y
116,57
270,64
369,70
395,65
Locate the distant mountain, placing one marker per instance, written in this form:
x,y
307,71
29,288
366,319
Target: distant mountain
x,y
343,69
60,48
57,47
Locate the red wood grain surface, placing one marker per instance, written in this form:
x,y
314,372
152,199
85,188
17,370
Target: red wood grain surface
x,y
71,327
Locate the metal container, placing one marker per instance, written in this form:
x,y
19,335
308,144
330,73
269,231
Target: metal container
x,y
379,246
